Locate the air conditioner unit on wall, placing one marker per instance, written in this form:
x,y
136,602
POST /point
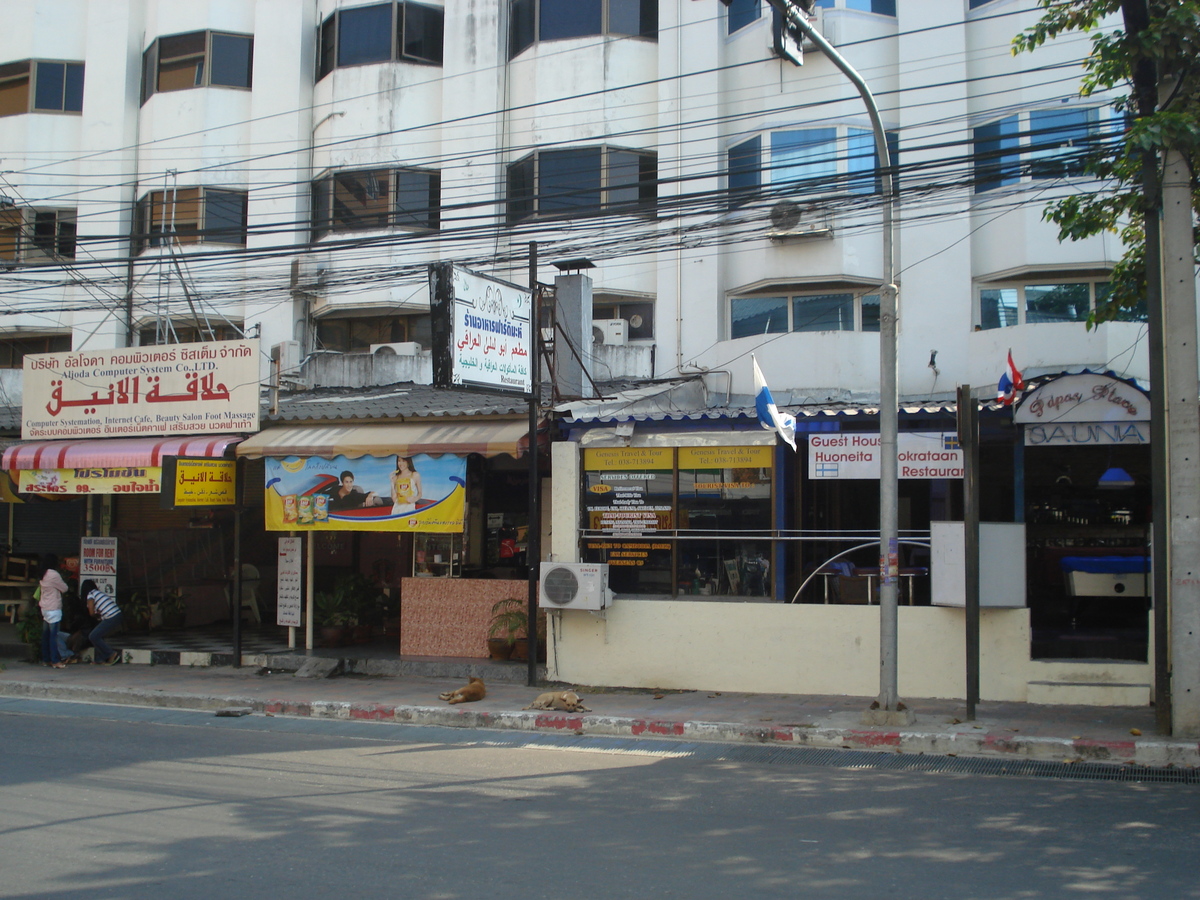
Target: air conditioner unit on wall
x,y
574,586
610,331
399,348
788,220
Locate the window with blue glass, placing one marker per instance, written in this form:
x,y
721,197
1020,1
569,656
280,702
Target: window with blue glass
x,y
179,62
834,311
397,31
582,180
813,160
879,7
1001,306
534,21
34,85
741,13
997,154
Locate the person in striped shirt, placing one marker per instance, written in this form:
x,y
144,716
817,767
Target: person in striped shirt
x,y
105,608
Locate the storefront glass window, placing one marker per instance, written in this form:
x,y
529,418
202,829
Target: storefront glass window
x,y
692,520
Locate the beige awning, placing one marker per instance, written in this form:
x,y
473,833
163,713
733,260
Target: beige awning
x,y
403,439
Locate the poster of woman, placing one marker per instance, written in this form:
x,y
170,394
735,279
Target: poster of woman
x,y
368,493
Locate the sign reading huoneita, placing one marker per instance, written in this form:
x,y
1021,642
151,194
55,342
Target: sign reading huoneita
x,y
155,390
919,454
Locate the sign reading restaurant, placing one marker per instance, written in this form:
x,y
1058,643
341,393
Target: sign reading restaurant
x,y
155,390
853,454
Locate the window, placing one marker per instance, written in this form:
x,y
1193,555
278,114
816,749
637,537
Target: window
x,y
582,180
382,32
1027,304
816,160
532,21
741,13
1039,144
638,313
14,348
34,237
376,198
40,86
189,216
880,7
198,59
356,334
686,520
173,332
842,311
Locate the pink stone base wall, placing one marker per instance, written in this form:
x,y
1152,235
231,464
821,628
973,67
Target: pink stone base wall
x,y
450,616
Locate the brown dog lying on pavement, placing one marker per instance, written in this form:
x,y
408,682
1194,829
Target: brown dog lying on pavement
x,y
567,701
473,690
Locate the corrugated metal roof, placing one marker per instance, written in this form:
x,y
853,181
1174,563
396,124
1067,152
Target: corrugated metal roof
x,y
391,402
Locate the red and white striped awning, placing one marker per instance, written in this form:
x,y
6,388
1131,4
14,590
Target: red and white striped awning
x,y
113,452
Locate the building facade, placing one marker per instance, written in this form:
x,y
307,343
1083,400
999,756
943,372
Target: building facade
x,y
214,170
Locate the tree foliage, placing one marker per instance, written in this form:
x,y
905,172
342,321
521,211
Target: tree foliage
x,y
1161,40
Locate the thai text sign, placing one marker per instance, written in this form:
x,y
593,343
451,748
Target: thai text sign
x,y
368,493
205,482
919,454
72,482
157,390
491,333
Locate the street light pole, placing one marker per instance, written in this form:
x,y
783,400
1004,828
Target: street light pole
x,y
887,709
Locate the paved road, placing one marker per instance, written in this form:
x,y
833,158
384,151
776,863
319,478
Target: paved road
x,y
116,802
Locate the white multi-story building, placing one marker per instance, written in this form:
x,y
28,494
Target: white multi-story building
x,y
209,170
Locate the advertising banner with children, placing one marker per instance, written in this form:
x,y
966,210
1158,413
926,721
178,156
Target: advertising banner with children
x,y
367,493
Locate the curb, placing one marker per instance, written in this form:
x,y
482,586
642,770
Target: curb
x,y
1149,753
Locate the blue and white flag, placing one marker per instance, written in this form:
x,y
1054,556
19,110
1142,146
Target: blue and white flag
x,y
769,416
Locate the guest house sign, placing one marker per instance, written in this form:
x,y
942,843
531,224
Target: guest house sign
x,y
157,390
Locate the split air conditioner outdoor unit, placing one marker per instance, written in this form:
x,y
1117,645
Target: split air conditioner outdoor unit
x,y
788,220
400,348
574,586
610,331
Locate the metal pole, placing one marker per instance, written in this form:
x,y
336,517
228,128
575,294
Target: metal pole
x,y
237,587
889,401
968,439
533,534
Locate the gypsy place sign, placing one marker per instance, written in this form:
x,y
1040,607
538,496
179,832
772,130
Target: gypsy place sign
x,y
1084,409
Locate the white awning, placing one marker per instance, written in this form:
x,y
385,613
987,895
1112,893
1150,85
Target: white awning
x,y
403,439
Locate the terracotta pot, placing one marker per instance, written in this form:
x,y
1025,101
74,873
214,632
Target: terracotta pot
x,y
499,648
333,635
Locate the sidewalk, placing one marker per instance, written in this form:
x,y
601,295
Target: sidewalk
x,y
1122,735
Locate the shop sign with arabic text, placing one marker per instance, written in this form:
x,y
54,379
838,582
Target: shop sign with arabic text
x,y
156,390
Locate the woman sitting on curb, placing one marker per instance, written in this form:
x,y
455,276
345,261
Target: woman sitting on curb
x,y
105,608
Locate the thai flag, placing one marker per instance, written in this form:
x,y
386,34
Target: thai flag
x,y
769,416
1011,383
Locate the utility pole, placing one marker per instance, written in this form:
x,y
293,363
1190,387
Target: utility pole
x,y
887,709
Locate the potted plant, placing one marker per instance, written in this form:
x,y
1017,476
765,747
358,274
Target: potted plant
x,y
172,609
29,631
508,631
135,610
332,616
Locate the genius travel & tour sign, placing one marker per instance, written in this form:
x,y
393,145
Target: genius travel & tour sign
x,y
919,454
155,390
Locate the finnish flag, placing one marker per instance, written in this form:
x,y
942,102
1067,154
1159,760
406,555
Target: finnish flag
x,y
769,416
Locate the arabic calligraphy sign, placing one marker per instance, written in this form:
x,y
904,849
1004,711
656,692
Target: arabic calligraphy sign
x,y
291,583
157,390
203,482
487,325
